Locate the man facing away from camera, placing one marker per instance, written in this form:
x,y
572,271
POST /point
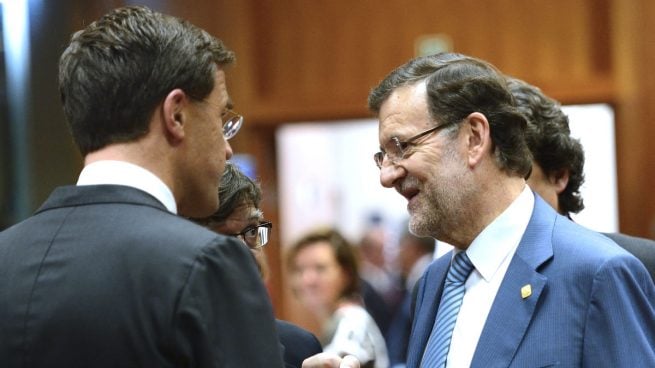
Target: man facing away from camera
x,y
105,273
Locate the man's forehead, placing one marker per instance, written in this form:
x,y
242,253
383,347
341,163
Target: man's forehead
x,y
404,111
220,86
246,212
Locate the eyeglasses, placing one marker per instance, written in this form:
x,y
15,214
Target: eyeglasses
x,y
255,236
231,123
396,150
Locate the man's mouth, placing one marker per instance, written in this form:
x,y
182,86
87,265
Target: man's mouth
x,y
408,192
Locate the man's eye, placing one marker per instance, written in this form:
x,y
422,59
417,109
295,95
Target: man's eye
x,y
250,232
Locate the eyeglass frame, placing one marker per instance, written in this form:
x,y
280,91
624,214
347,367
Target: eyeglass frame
x,y
242,234
402,146
232,123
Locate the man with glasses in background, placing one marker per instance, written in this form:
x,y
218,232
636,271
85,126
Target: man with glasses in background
x,y
105,273
240,216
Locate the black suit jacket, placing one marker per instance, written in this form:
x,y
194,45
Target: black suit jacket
x,y
104,276
643,249
298,344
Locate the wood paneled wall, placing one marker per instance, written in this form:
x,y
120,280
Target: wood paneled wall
x,y
301,60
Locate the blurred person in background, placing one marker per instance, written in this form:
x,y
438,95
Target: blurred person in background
x,y
374,267
239,215
378,285
324,277
414,255
558,163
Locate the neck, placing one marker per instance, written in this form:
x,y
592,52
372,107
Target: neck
x,y
492,199
143,153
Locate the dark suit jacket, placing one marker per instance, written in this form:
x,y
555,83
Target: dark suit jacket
x,y
643,249
104,276
592,303
298,344
375,305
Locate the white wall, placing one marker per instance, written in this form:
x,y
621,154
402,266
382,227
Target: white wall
x,y
594,126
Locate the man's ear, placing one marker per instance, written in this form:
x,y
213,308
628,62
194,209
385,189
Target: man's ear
x,y
559,180
174,114
478,139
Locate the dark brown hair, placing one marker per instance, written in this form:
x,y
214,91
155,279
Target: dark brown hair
x,y
115,72
549,138
235,189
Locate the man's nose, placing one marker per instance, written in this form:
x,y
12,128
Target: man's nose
x,y
228,150
389,173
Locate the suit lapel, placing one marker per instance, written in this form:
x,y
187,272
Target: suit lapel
x,y
511,311
427,303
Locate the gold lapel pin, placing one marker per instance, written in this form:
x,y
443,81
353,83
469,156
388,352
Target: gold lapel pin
x,y
526,291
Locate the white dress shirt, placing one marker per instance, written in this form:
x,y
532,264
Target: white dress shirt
x,y
491,253
125,173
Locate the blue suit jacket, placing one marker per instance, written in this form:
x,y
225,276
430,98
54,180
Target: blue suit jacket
x,y
592,303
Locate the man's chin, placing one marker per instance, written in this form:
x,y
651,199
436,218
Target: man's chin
x,y
415,227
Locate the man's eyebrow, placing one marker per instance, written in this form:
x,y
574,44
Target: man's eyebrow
x,y
257,215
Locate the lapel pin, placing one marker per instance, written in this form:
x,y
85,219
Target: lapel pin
x,y
526,291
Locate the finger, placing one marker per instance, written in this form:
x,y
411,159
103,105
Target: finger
x,y
322,360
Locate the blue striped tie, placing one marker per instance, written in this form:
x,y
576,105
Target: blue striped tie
x,y
436,351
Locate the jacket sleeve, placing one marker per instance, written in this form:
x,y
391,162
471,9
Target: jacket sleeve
x,y
224,317
620,326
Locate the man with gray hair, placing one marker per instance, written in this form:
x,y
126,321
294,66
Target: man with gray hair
x,y
524,286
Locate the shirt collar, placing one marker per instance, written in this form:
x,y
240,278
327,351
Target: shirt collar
x,y
125,173
501,238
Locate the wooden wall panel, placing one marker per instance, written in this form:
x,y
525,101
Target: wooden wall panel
x,y
319,59
635,84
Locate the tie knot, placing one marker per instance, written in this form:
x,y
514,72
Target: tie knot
x,y
460,268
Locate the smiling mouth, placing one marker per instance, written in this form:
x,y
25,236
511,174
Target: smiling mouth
x,y
408,193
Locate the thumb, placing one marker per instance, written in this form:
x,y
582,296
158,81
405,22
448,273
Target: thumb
x,y
349,361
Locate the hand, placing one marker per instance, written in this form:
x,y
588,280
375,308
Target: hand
x,y
328,360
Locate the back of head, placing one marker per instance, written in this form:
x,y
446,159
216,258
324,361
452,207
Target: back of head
x,y
115,72
458,85
549,139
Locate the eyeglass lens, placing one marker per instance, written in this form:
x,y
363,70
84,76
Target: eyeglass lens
x,y
393,151
256,237
231,124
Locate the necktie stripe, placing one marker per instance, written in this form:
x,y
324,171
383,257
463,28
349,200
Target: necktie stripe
x,y
438,345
